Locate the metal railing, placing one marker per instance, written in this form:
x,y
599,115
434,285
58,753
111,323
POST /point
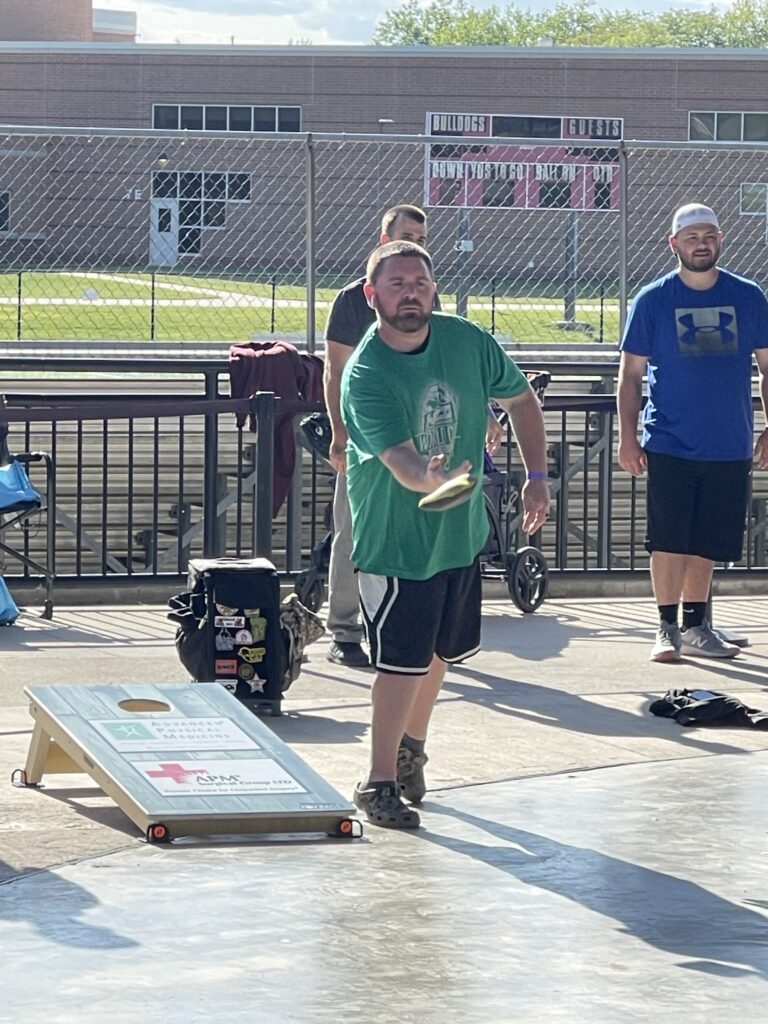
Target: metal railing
x,y
143,485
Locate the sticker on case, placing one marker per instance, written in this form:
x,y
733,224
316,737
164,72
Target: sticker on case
x,y
229,621
258,627
252,655
224,641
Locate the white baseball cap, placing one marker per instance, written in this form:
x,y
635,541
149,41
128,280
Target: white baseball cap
x,y
693,213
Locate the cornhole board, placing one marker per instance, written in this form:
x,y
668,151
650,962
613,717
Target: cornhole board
x,y
180,760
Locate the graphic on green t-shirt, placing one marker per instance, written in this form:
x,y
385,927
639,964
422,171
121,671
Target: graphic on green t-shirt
x,y
438,416
436,398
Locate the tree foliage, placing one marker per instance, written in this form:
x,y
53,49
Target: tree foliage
x,y
578,23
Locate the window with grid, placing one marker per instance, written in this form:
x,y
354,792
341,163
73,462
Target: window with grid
x,y
220,117
203,197
753,199
727,126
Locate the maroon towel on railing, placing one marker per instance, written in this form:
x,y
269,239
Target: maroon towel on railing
x,y
276,366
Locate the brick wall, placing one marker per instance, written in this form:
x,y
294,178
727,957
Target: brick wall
x,y
339,92
55,20
112,37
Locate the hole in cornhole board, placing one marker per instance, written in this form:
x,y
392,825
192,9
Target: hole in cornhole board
x,y
144,704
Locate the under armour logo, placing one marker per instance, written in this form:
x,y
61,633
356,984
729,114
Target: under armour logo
x,y
710,331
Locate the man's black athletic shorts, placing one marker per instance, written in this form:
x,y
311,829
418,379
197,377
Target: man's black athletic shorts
x,y
409,621
697,508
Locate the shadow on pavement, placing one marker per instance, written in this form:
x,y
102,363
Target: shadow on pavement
x,y
670,913
53,905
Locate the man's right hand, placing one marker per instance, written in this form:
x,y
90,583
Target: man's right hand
x,y
632,457
337,455
435,474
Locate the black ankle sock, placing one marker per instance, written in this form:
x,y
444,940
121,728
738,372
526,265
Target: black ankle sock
x,y
668,613
378,784
693,613
415,746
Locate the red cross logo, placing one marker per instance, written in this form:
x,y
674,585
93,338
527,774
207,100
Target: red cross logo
x,y
177,772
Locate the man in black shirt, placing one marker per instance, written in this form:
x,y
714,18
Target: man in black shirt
x,y
349,319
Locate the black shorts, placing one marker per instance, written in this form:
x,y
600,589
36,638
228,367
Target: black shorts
x,y
697,508
409,621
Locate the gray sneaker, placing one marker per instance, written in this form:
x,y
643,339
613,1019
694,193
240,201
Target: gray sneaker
x,y
668,641
702,642
410,775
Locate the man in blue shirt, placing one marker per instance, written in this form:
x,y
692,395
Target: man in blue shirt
x,y
694,332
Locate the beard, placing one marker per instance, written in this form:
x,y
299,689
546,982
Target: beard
x,y
700,264
407,323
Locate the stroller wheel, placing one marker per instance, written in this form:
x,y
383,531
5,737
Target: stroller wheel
x,y
310,590
527,578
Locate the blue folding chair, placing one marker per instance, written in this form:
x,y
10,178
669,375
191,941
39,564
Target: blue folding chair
x,y
19,502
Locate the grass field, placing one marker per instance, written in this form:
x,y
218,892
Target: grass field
x,y
121,306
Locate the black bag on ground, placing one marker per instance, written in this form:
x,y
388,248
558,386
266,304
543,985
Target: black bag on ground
x,y
232,629
229,626
188,611
708,707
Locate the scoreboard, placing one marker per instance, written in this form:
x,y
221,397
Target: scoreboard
x,y
519,176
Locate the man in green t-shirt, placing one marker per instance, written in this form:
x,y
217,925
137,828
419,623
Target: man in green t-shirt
x,y
413,398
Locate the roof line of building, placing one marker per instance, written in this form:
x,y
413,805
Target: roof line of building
x,y
665,53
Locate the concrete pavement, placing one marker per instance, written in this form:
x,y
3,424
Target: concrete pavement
x,y
579,858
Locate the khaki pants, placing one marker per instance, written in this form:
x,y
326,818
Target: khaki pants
x,y
343,620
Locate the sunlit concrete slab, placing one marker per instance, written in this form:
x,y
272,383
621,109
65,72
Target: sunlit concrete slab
x,y
624,895
564,690
580,862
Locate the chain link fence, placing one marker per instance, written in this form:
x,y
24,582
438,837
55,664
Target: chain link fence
x,y
111,235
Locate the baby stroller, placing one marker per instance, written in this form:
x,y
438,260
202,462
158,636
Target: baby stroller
x,y
525,569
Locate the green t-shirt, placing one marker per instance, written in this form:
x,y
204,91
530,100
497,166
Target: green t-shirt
x,y
437,398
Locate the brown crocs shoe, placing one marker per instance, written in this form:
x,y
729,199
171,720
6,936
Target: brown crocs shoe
x,y
410,775
382,806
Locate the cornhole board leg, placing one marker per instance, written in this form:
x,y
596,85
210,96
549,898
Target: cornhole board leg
x,y
53,752
46,757
181,760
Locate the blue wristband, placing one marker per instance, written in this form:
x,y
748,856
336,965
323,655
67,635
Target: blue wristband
x,y
538,474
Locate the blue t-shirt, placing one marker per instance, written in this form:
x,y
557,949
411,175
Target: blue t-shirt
x,y
699,346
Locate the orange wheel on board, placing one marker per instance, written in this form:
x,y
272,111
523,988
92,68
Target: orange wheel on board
x,y
158,834
348,828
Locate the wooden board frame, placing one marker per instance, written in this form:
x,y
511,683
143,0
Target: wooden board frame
x,y
72,734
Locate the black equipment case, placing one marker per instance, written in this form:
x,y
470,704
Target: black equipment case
x,y
236,639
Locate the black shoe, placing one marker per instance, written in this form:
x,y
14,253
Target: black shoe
x,y
342,652
410,775
383,806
